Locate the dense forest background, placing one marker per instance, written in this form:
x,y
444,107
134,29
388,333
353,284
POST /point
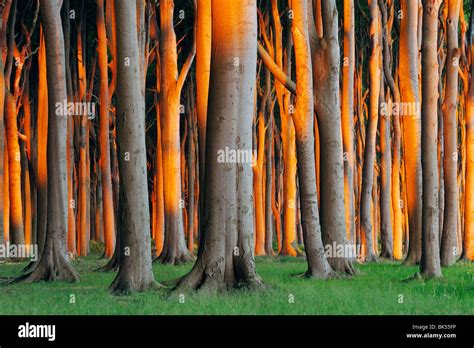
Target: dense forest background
x,y
123,121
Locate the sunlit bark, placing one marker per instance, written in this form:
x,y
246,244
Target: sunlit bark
x,y
409,91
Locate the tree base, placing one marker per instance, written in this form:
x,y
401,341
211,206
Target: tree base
x,y
371,257
411,260
342,266
123,287
386,255
47,270
179,258
205,281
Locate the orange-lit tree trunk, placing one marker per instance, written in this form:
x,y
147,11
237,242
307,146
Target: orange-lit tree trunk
x,y
283,62
107,197
347,115
370,140
6,197
2,148
468,249
449,250
41,144
409,91
159,213
318,265
203,69
430,265
397,235
28,204
16,232
191,144
14,172
174,249
258,174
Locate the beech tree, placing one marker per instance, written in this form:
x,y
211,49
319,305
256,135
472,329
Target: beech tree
x,y
409,92
226,254
430,259
135,272
369,153
325,58
318,265
53,263
107,197
174,250
468,251
451,206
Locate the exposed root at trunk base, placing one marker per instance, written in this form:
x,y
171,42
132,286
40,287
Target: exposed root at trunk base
x,y
411,260
421,277
371,257
386,255
122,287
318,275
178,259
47,270
209,282
293,252
111,265
342,266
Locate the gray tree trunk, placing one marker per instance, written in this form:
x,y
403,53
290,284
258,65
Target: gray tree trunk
x,y
430,258
449,251
135,271
53,263
226,253
325,54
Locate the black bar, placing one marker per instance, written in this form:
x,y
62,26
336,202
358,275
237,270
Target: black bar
x,y
261,330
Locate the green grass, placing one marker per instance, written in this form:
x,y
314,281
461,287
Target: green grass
x,y
375,290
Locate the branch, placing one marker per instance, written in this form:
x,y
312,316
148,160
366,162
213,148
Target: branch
x,y
189,60
275,70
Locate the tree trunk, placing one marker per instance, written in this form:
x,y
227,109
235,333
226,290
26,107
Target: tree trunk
x,y
430,259
386,230
318,265
347,115
105,171
269,179
226,254
325,57
53,263
135,266
397,235
174,249
409,90
371,134
2,135
468,250
191,168
449,248
203,66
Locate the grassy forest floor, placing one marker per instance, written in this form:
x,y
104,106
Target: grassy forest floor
x,y
377,289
